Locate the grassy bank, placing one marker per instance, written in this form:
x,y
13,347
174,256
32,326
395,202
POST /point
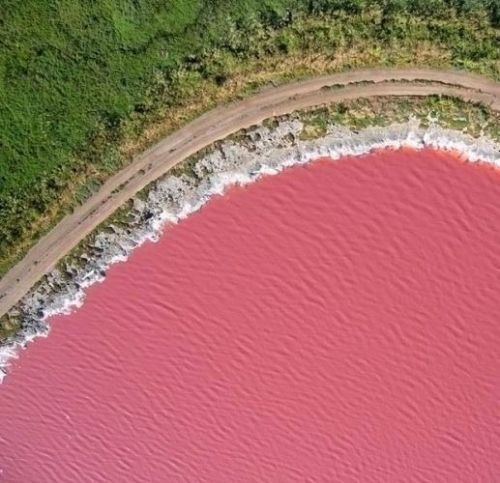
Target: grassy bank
x,y
85,85
357,114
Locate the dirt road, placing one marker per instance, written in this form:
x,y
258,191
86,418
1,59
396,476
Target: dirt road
x,y
218,124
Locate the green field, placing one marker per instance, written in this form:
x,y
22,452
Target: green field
x,y
85,84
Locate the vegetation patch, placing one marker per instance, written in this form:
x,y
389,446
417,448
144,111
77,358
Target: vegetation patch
x,y
86,85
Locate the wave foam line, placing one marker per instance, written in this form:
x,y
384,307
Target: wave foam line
x,y
172,198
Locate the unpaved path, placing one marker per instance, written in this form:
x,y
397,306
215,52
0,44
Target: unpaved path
x,y
218,124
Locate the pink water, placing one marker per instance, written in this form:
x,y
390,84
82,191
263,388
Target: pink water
x,y
338,322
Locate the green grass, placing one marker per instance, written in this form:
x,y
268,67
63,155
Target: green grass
x,y
472,119
81,80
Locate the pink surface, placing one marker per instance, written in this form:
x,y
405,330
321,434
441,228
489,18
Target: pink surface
x,y
338,322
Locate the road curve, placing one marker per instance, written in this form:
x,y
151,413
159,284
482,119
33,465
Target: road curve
x,y
218,124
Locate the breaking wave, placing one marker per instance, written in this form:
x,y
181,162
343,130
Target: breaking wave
x,y
263,151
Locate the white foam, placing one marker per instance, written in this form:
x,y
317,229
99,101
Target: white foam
x,y
173,198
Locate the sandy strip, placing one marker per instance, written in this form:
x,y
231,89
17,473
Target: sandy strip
x,y
219,124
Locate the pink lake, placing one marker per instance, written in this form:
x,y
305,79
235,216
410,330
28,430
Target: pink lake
x,y
337,322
